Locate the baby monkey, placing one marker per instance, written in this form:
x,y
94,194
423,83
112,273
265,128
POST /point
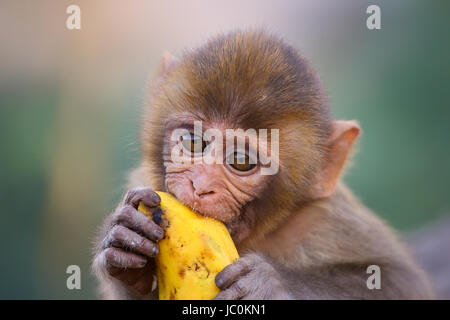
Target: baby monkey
x,y
300,232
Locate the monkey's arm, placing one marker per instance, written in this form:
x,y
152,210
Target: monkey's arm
x,y
255,276
110,262
127,242
109,287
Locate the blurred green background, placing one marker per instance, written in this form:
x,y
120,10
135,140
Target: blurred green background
x,y
70,103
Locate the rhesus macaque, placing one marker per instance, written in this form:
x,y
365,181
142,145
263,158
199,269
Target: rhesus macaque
x,y
301,233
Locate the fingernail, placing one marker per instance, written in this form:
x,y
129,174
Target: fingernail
x,y
150,248
142,263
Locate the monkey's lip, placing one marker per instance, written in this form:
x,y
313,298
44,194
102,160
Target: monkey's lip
x,y
198,206
213,214
194,205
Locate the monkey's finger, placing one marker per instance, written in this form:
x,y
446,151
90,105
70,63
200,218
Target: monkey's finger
x,y
123,237
148,197
135,220
122,259
235,292
233,272
114,271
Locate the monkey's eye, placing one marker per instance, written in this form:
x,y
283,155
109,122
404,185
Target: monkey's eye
x,y
193,143
240,161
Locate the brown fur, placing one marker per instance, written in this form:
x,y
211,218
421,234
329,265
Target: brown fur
x,y
292,244
247,79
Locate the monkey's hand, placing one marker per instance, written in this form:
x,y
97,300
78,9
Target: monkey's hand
x,y
125,254
251,277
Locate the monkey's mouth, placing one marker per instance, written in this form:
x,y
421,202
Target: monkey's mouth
x,y
228,219
218,207
216,210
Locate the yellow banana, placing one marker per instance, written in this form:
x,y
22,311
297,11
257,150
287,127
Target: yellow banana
x,y
195,248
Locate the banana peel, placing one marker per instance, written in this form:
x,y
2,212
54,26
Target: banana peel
x,y
194,250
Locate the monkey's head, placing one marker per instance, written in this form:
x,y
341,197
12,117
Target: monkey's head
x,y
249,80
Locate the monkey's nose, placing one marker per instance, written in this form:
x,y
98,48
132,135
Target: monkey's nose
x,y
203,193
202,189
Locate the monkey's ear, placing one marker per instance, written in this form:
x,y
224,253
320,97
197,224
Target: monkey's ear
x,y
167,64
343,135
